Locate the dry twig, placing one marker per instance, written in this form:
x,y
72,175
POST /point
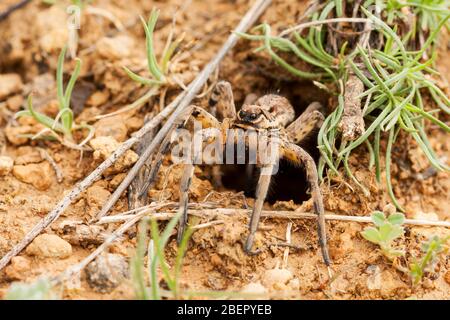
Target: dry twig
x,y
207,211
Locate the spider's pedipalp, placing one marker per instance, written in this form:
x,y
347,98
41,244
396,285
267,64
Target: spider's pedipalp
x,y
296,154
308,121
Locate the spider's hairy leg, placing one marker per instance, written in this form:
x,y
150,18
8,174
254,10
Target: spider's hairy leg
x,y
261,193
163,149
186,180
309,120
221,104
297,155
192,113
208,123
206,119
221,101
156,165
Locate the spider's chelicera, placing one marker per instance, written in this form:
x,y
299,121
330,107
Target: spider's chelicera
x,y
261,133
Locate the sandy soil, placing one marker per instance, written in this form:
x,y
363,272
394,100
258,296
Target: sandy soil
x,y
215,259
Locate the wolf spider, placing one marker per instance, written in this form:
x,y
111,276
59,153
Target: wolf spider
x,y
271,115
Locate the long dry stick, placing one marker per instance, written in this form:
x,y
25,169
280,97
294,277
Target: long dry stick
x,y
248,20
181,101
269,214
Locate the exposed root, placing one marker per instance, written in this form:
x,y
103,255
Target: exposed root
x,y
45,155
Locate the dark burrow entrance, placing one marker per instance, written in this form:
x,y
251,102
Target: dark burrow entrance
x,y
290,181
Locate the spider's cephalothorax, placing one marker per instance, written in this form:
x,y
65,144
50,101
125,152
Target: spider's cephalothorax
x,y
268,115
268,112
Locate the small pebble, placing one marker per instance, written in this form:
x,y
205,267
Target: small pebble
x,y
106,272
255,288
276,276
49,246
6,165
18,269
39,175
9,83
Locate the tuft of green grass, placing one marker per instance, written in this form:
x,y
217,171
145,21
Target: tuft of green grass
x,y
157,70
157,260
41,289
386,230
63,124
431,249
396,79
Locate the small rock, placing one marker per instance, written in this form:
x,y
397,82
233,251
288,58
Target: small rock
x,y
374,279
275,277
16,135
118,178
51,108
104,146
113,127
6,165
96,196
294,284
390,284
115,47
447,277
39,175
134,123
106,272
428,283
53,33
389,209
255,288
14,103
27,154
18,269
9,83
42,204
49,246
216,261
98,98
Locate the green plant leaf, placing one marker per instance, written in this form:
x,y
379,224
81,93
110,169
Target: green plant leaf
x,y
371,234
396,218
385,230
378,218
394,233
149,27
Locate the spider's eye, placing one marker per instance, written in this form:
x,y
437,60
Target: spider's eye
x,y
242,114
253,116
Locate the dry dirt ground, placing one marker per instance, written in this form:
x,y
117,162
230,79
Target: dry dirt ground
x,y
30,41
